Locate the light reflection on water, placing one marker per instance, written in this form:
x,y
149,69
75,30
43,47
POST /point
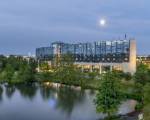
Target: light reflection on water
x,y
49,103
52,103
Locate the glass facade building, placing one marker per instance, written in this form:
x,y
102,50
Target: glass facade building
x,y
44,53
101,51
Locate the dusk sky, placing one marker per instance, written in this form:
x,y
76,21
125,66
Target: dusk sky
x,y
28,24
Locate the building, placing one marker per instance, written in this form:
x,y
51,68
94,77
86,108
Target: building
x,y
101,55
144,59
44,53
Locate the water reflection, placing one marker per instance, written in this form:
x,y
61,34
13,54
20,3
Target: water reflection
x,y
10,89
49,102
47,92
1,92
62,98
27,91
65,104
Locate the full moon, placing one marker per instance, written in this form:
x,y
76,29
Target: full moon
x,y
102,22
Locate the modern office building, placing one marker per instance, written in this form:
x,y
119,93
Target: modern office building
x,y
101,55
44,53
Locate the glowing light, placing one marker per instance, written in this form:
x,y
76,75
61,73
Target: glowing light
x,y
102,22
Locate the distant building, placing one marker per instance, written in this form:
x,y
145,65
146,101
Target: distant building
x,y
101,55
44,53
145,59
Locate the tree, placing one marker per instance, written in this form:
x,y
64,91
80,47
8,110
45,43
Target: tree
x,y
44,66
142,74
127,76
142,78
147,94
109,95
16,69
2,62
8,73
147,102
66,71
28,74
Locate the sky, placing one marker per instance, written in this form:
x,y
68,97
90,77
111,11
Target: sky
x,y
28,24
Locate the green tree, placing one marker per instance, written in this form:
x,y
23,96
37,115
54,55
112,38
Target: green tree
x,y
8,73
28,74
44,66
16,69
109,95
2,62
147,94
147,102
141,77
142,74
66,70
127,76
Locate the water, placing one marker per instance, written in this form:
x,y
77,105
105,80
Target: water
x,y
50,103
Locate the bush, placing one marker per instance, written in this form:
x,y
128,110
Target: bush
x,y
139,107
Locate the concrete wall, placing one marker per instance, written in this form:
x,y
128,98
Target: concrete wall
x,y
131,65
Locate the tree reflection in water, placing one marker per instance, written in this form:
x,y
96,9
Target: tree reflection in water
x,y
49,102
1,92
27,91
62,98
47,92
68,98
10,89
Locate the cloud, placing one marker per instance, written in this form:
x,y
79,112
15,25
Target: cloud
x,y
39,22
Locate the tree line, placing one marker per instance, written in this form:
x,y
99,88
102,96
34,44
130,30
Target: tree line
x,y
113,87
16,69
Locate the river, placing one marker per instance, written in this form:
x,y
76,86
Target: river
x,y
51,103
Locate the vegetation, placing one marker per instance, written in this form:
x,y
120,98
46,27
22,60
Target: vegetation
x,y
17,70
147,102
142,74
142,89
109,95
64,71
113,87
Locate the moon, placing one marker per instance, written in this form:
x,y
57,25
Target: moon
x,y
102,22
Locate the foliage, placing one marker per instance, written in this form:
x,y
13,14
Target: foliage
x,y
121,75
8,73
26,74
109,95
44,76
142,79
16,69
146,109
67,72
138,92
147,94
44,66
127,76
142,74
146,112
